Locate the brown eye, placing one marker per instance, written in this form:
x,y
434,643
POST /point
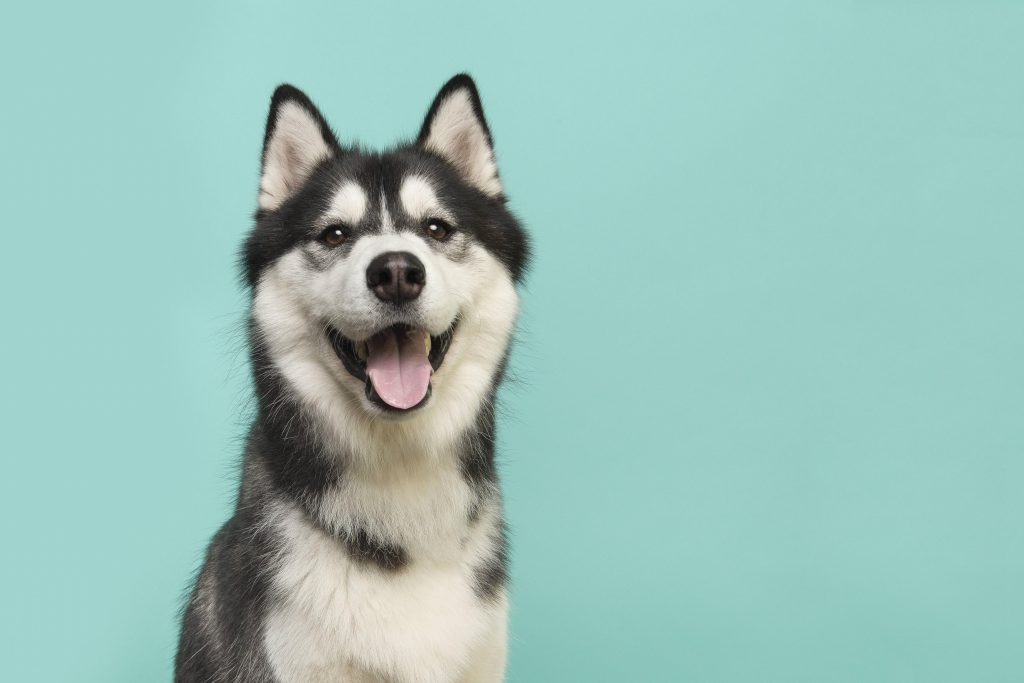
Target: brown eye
x,y
334,235
437,229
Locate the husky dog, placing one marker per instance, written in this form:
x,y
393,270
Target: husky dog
x,y
368,543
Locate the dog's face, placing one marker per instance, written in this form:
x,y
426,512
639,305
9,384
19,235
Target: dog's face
x,y
383,283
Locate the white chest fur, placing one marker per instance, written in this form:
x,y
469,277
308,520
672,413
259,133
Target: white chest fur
x,y
339,619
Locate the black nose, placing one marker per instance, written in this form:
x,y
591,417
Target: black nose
x,y
396,277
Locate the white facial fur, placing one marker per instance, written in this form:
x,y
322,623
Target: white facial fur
x,y
293,303
341,297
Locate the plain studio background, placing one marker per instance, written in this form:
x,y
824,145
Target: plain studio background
x,y
766,423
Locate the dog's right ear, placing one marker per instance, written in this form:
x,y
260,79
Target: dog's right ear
x,y
297,139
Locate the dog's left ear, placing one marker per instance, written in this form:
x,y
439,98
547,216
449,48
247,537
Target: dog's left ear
x,y
455,130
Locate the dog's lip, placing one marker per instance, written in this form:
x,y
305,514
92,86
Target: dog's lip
x,y
346,351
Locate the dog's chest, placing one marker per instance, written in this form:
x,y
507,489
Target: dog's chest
x,y
337,618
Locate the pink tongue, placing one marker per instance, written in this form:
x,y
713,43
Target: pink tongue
x,y
398,367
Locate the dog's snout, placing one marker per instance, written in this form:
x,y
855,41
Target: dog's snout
x,y
396,277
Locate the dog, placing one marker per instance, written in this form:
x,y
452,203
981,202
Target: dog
x,y
368,541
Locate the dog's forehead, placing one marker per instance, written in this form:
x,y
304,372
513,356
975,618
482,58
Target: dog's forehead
x,y
383,193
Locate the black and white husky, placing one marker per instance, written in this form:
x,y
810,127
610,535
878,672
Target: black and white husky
x,y
368,542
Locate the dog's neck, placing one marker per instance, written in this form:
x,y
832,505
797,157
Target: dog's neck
x,y
400,476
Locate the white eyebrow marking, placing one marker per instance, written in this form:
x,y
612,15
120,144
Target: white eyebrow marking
x,y
419,200
348,205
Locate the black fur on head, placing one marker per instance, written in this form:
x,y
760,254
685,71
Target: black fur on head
x,y
289,218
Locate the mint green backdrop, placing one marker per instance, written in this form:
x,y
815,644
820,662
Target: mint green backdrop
x,y
766,423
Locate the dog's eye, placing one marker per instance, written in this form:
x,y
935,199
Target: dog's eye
x,y
437,229
334,235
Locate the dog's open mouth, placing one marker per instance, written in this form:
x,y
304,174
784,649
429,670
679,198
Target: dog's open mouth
x,y
396,363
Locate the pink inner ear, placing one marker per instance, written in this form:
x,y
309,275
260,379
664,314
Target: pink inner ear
x,y
458,134
296,145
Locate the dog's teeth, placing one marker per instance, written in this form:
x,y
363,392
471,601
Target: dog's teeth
x,y
361,351
426,342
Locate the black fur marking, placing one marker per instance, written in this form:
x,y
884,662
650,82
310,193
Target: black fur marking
x,y
365,548
477,462
474,512
222,627
492,574
283,436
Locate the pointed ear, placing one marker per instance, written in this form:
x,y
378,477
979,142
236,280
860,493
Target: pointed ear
x,y
297,139
455,129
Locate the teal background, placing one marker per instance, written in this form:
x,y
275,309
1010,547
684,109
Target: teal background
x,y
766,417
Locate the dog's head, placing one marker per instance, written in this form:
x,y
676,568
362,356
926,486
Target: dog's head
x,y
384,283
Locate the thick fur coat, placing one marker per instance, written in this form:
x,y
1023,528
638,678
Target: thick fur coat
x,y
368,542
